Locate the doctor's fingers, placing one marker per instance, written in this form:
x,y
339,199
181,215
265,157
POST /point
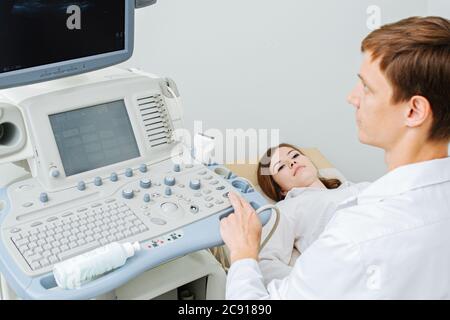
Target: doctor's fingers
x,y
236,220
240,203
247,207
236,203
231,220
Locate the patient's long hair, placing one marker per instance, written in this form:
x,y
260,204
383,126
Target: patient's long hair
x,y
268,184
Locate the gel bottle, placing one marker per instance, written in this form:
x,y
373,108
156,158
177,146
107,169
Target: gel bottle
x,y
74,272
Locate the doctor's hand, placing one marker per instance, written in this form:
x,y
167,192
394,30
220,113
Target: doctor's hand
x,y
241,230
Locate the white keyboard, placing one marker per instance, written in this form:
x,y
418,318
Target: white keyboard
x,y
74,232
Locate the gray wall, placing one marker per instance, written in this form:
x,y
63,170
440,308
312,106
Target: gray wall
x,y
439,8
285,64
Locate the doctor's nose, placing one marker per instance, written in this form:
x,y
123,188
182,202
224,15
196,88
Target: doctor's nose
x,y
354,98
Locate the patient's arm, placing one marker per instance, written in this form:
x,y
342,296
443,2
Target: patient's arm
x,y
275,256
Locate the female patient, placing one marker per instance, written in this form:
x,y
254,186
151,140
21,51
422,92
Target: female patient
x,y
306,201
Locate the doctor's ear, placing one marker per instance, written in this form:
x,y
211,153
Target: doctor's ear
x,y
418,111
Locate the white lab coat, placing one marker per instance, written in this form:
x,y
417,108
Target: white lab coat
x,y
392,241
303,216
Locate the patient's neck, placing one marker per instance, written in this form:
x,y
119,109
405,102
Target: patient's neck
x,y
317,184
414,151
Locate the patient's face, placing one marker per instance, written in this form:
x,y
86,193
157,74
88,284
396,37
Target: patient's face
x,y
290,169
379,121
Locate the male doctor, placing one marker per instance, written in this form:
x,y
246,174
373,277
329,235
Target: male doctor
x,y
393,240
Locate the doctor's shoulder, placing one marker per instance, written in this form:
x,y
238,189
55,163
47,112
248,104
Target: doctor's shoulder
x,y
389,217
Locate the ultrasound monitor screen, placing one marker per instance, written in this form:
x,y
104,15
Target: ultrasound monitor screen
x,y
94,137
40,32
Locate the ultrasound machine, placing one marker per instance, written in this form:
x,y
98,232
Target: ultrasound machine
x,y
100,145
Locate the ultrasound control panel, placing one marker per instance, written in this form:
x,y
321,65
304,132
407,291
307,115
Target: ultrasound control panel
x,y
107,166
137,204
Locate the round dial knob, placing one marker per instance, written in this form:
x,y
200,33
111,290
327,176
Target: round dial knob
x,y
147,197
128,194
145,183
176,168
81,185
129,172
169,207
168,191
113,177
169,181
143,168
194,208
194,184
43,197
54,173
98,181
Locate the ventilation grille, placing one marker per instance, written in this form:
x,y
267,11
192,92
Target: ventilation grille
x,y
155,119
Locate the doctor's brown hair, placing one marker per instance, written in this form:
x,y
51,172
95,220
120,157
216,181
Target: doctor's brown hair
x,y
268,184
414,56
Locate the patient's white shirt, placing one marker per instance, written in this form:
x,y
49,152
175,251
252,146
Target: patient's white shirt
x,y
304,213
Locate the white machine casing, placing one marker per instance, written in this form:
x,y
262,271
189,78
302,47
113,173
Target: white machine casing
x,y
37,102
184,201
